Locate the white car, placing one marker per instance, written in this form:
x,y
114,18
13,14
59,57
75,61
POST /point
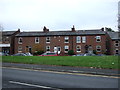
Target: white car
x,y
28,54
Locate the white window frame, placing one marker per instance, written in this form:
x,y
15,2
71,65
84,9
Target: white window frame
x,y
116,44
98,38
66,38
6,38
20,38
98,48
36,39
66,47
19,48
78,39
47,38
47,47
84,39
116,50
78,48
55,36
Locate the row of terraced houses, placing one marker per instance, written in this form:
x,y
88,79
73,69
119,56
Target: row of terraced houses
x,y
100,41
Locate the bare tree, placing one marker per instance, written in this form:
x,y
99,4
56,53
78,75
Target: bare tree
x,y
1,27
119,15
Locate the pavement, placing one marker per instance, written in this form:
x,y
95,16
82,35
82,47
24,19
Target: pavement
x,y
82,70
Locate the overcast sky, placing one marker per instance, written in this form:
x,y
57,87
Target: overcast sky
x,y
58,14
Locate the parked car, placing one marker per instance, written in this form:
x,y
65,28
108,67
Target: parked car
x,y
28,54
78,55
89,54
19,54
101,55
49,54
3,54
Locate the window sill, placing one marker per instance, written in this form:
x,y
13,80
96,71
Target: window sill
x,y
66,51
36,42
78,51
98,41
98,51
66,42
78,42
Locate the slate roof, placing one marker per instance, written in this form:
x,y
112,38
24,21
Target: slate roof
x,y
8,33
114,35
62,33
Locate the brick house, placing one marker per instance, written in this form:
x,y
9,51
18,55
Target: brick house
x,y
113,43
81,41
7,41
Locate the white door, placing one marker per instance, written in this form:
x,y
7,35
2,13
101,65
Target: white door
x,y
55,49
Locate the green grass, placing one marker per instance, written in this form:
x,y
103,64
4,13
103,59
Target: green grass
x,y
109,62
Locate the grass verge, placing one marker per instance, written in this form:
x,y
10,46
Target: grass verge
x,y
108,62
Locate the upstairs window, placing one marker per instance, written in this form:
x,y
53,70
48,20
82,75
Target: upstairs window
x,y
47,39
78,48
20,40
83,39
116,43
36,39
6,39
98,38
98,48
66,48
78,39
66,39
47,48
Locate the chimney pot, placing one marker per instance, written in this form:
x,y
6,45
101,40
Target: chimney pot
x,y
73,29
45,29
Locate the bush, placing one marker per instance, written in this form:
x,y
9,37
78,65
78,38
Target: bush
x,y
38,52
70,52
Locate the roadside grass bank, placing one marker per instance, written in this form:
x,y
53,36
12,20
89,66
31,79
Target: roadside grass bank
x,y
107,62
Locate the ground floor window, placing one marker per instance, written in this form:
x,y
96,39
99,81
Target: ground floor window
x,y
47,48
78,48
98,48
20,49
116,51
6,50
66,48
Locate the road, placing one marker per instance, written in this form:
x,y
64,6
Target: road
x,y
27,78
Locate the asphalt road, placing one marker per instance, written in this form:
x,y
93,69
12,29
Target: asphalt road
x,y
24,78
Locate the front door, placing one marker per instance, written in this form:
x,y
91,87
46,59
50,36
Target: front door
x,y
55,49
30,50
59,50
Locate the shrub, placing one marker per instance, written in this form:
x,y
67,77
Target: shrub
x,y
70,52
38,52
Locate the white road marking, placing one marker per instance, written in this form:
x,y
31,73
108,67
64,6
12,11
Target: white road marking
x,y
62,72
32,85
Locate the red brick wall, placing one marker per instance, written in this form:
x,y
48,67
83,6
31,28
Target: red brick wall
x,y
59,41
111,45
91,40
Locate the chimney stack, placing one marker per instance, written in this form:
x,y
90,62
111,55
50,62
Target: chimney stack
x,y
18,29
102,29
73,29
45,29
